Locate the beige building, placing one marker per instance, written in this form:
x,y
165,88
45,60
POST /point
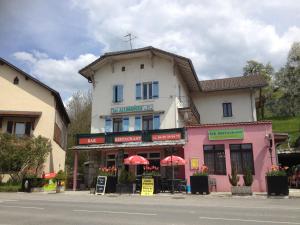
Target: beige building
x,y
29,107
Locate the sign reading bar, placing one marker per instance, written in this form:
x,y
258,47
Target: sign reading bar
x,y
215,135
100,185
91,140
128,139
133,108
165,137
147,186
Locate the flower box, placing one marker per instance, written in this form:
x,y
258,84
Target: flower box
x,y
241,190
199,184
277,185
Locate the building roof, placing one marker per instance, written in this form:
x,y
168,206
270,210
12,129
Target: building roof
x,y
233,83
61,106
184,64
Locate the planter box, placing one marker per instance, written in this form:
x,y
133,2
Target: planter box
x,y
125,188
199,184
241,190
111,184
277,185
29,183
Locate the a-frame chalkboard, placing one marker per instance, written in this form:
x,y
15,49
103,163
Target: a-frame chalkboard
x,y
101,185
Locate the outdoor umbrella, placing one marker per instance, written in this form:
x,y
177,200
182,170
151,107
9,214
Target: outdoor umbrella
x,y
172,160
136,160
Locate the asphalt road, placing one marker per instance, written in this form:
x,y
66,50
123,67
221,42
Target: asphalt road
x,y
82,208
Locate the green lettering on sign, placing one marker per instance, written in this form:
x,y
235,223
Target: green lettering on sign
x,y
133,108
215,135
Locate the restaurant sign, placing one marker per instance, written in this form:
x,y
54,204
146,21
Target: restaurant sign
x,y
215,135
165,137
122,139
91,140
132,108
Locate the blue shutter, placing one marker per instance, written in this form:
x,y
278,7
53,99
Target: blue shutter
x,y
138,91
155,89
114,93
120,93
108,124
125,125
138,123
156,122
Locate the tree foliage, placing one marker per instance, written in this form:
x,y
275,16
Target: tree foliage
x,y
20,156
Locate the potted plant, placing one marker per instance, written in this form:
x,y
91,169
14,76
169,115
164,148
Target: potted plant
x,y
126,182
248,180
111,182
277,181
153,172
60,181
234,179
199,181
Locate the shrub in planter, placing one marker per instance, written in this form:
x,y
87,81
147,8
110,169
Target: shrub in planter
x,y
277,181
126,182
199,181
246,189
60,181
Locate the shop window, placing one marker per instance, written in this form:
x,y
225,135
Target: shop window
x,y
214,159
117,93
227,109
154,160
117,125
241,156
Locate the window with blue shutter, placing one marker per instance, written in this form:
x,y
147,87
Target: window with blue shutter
x,y
138,91
117,93
125,124
156,122
138,123
108,124
155,91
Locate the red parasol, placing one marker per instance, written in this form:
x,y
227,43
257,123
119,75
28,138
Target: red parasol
x,y
136,160
172,160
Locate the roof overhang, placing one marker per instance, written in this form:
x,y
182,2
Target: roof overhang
x,y
183,64
28,114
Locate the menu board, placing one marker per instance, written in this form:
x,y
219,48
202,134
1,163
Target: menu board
x,y
147,186
101,185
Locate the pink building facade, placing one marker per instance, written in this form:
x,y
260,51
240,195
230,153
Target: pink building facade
x,y
252,146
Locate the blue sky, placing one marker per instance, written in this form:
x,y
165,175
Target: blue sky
x,y
53,39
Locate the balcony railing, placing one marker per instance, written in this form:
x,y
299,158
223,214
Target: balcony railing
x,y
131,136
189,111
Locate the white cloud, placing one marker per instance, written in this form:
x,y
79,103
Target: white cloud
x,y
219,36
60,74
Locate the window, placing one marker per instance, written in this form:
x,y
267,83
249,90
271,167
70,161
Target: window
x,y
16,80
156,122
108,124
125,124
123,68
57,134
142,66
154,160
148,122
214,159
110,160
117,93
117,125
227,109
18,128
138,123
148,90
241,156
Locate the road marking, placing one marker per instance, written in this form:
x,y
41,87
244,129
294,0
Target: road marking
x,y
21,207
115,212
244,220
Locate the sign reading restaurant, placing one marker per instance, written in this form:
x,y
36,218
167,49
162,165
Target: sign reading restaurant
x,y
132,108
215,135
121,139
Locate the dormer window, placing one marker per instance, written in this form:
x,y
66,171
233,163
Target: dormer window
x,y
16,81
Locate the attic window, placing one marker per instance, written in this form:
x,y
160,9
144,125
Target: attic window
x,y
123,68
142,66
16,81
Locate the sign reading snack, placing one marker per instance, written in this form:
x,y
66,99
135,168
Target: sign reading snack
x,y
165,137
101,185
133,108
215,135
121,139
91,140
147,186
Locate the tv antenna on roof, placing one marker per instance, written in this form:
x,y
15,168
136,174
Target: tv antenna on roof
x,y
130,38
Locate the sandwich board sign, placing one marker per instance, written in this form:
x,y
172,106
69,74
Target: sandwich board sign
x,y
147,186
101,185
